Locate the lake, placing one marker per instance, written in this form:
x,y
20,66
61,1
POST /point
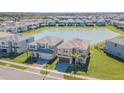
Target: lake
x,y
94,35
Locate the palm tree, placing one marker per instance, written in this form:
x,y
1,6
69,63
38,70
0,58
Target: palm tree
x,y
75,56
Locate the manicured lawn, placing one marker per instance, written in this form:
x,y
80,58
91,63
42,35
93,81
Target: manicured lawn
x,y
14,66
71,78
115,29
52,65
22,58
103,66
44,72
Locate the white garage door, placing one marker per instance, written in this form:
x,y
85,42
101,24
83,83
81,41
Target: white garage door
x,y
46,56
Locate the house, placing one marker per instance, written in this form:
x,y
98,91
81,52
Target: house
x,y
71,22
14,43
68,49
100,22
51,22
5,43
45,48
89,23
62,23
120,25
20,42
115,47
79,22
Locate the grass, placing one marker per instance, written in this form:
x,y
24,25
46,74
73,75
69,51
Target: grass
x,y
52,65
44,72
14,66
71,78
22,58
104,67
121,32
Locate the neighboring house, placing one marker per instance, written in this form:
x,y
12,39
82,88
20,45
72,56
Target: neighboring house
x,y
89,23
71,22
45,48
100,22
120,25
20,43
62,23
5,43
14,43
68,49
79,22
51,22
115,46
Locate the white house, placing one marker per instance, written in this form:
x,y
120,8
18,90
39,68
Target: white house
x,y
45,48
115,46
16,43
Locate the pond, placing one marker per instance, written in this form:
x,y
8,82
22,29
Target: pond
x,y
94,35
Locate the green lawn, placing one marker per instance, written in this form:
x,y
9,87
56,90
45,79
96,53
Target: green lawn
x,y
104,67
52,65
14,66
22,58
44,72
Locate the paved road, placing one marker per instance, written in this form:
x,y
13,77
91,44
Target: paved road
x,y
12,74
53,71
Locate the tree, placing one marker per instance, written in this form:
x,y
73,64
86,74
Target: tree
x,y
75,57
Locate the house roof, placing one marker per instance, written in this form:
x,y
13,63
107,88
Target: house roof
x,y
5,34
117,40
51,40
75,43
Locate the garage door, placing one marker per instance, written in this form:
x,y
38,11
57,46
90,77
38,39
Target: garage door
x,y
61,59
46,56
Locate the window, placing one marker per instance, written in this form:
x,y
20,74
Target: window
x,y
32,46
3,43
41,46
115,45
65,51
80,51
27,41
50,47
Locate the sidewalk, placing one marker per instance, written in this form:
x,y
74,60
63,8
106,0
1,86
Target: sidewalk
x,y
52,71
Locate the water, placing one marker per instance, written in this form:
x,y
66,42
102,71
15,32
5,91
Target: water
x,y
94,35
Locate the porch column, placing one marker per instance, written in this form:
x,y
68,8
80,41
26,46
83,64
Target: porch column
x,y
70,62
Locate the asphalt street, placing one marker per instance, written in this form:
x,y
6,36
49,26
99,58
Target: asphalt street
x,y
13,74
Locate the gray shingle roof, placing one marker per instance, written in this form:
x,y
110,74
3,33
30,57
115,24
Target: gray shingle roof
x,y
51,40
117,40
75,43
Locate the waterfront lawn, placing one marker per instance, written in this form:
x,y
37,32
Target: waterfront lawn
x,y
121,32
103,66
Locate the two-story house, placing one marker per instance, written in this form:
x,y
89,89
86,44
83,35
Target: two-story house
x,y
45,48
67,50
115,47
